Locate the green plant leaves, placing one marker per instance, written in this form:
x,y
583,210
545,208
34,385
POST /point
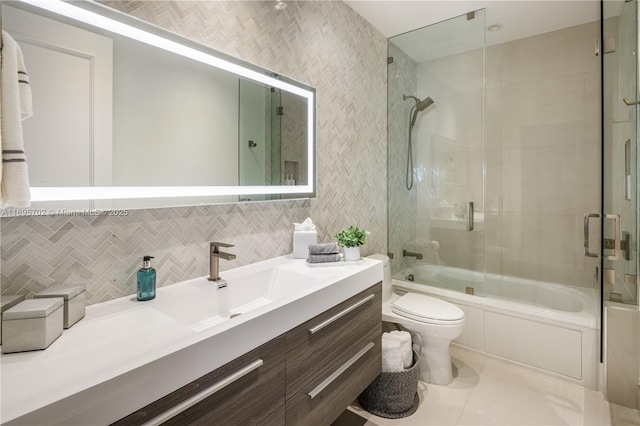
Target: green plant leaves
x,y
351,237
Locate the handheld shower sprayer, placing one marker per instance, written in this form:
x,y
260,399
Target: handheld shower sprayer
x,y
420,106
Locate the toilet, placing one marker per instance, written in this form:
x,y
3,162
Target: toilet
x,y
435,321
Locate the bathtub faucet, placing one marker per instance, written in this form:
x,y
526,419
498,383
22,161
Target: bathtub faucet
x,y
418,256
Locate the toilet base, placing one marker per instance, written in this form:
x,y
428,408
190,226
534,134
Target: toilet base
x,y
435,358
435,339
435,363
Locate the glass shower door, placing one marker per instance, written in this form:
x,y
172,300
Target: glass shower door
x,y
436,108
620,153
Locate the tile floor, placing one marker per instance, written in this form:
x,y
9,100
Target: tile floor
x,y
489,391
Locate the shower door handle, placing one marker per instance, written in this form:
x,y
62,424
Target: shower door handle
x,y
616,237
587,218
470,212
614,244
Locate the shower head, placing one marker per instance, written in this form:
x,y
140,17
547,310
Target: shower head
x,y
424,104
420,106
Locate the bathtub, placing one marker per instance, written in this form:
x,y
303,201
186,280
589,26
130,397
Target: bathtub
x,y
545,326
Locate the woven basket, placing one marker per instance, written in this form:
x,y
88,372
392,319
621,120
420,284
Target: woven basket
x,y
393,395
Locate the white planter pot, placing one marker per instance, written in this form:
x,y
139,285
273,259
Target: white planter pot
x,y
351,253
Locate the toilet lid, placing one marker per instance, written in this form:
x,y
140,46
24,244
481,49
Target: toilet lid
x,y
421,307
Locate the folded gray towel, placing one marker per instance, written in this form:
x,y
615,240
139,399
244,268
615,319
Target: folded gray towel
x,y
323,258
328,248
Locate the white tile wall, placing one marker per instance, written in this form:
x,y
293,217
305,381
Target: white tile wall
x,y
549,116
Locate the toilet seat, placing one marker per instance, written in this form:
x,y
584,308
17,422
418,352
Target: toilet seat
x,y
430,310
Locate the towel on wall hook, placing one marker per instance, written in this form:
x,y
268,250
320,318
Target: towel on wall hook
x,y
16,106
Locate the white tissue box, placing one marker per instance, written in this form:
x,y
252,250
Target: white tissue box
x,y
301,242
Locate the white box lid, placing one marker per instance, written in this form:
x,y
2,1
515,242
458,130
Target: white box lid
x,y
68,291
33,308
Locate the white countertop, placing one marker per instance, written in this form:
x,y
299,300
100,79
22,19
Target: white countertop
x,y
125,354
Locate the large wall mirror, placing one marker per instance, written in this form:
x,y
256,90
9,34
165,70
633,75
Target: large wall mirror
x,y
128,115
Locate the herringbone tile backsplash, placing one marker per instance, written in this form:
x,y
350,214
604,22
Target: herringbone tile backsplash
x,y
322,43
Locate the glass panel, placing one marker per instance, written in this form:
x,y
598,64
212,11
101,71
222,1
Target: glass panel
x,y
620,68
436,154
542,162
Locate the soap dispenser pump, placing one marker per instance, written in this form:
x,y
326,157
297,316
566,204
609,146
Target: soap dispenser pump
x,y
146,280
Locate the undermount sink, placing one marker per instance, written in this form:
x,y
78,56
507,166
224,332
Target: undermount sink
x,y
200,303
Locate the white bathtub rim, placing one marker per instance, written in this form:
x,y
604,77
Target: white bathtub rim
x,y
580,295
584,319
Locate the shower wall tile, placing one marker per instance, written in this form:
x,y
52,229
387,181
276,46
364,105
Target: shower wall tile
x,y
493,245
493,162
564,52
551,111
493,98
550,142
546,247
552,179
324,44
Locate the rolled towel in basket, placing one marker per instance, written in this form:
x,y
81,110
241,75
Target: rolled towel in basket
x,y
391,357
406,350
323,258
328,248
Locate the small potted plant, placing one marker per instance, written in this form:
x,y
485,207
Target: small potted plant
x,y
351,239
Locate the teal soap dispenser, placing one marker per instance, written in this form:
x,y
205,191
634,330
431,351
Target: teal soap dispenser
x,y
146,280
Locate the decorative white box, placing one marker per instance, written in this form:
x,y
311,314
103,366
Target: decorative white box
x,y
301,242
74,301
6,302
32,324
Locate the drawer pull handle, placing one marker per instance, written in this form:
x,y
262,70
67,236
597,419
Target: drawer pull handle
x,y
315,329
326,382
184,405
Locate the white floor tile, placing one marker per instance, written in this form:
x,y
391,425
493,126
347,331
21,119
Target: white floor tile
x,y
594,401
490,391
504,402
596,418
623,416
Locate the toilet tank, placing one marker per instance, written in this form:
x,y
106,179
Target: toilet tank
x,y
387,288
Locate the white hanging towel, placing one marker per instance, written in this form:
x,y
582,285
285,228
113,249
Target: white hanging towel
x,y
16,106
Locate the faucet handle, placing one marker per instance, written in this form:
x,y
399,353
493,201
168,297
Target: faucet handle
x,y
216,245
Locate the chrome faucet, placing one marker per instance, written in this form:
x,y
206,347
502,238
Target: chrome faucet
x,y
214,259
418,256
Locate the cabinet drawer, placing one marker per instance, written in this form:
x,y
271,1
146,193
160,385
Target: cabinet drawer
x,y
325,342
274,419
322,400
245,400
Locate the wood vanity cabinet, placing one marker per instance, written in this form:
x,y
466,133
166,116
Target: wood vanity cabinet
x,y
307,376
246,401
332,358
